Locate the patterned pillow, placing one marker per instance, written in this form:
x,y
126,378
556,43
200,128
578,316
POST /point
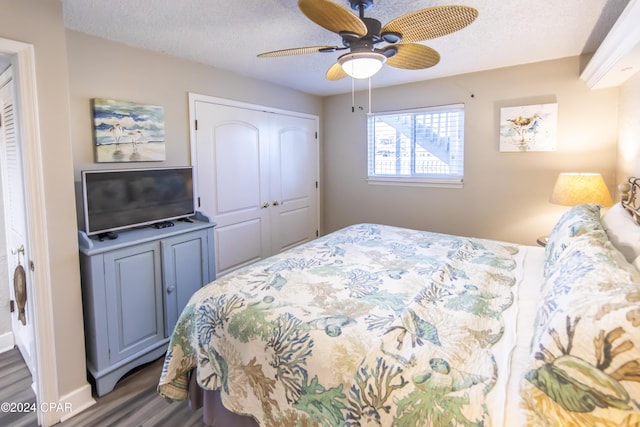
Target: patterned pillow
x,y
578,221
585,355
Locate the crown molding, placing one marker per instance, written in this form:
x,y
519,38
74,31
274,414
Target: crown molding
x,y
618,57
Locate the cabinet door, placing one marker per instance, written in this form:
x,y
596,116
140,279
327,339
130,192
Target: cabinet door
x,y
134,299
185,270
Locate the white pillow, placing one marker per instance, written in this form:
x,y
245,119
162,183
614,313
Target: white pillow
x,y
623,232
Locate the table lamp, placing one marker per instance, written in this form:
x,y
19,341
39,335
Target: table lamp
x,y
576,188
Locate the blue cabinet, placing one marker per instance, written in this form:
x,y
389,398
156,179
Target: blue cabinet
x,y
133,290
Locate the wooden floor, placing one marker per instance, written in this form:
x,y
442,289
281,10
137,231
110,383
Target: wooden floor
x,y
15,388
133,403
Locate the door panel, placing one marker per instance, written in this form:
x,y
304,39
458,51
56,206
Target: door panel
x,y
294,163
296,230
237,177
15,216
294,160
238,244
232,182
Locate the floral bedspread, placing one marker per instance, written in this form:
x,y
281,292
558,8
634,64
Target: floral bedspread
x,y
369,325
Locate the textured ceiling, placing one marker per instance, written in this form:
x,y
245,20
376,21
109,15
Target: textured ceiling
x,y
229,34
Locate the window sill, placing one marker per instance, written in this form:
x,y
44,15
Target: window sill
x,y
417,182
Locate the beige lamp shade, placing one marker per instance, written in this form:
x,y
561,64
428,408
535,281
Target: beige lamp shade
x,y
576,188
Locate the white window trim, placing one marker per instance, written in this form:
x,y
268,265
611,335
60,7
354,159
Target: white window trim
x,y
417,182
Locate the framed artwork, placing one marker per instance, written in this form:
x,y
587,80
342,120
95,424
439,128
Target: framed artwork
x,y
127,131
529,128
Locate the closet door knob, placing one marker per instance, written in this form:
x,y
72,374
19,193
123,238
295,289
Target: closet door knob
x,y
170,289
265,205
275,203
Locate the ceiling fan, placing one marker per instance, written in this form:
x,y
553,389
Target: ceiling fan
x,y
360,35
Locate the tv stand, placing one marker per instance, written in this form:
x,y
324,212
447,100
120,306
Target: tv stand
x,y
108,235
133,291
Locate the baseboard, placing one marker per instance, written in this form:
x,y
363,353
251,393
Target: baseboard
x,y
6,342
77,401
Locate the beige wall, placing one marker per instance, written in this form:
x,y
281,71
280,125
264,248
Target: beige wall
x,y
505,195
40,23
629,129
103,69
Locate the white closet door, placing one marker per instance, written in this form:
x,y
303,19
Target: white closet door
x,y
231,163
15,217
293,181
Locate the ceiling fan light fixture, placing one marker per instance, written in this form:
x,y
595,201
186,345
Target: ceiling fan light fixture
x,y
362,65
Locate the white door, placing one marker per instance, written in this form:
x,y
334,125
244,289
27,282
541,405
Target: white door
x,y
256,178
293,164
232,181
15,221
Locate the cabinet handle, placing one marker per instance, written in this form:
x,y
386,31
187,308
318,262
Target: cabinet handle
x,y
170,289
275,203
265,205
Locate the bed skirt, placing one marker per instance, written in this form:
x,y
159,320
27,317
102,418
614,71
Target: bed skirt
x,y
214,414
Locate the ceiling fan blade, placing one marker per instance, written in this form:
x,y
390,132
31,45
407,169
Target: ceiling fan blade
x,y
431,22
298,51
332,16
413,56
335,72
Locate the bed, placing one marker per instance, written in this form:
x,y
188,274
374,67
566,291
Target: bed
x,y
375,325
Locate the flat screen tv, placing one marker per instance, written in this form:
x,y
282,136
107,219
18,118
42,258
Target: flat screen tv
x,y
126,198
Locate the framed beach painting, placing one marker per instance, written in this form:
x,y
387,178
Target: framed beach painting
x,y
528,128
127,131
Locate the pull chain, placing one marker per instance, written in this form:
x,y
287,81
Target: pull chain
x,y
353,96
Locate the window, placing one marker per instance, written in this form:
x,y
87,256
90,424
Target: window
x,y
424,146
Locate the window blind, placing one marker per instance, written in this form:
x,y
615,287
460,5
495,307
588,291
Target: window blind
x,y
417,145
